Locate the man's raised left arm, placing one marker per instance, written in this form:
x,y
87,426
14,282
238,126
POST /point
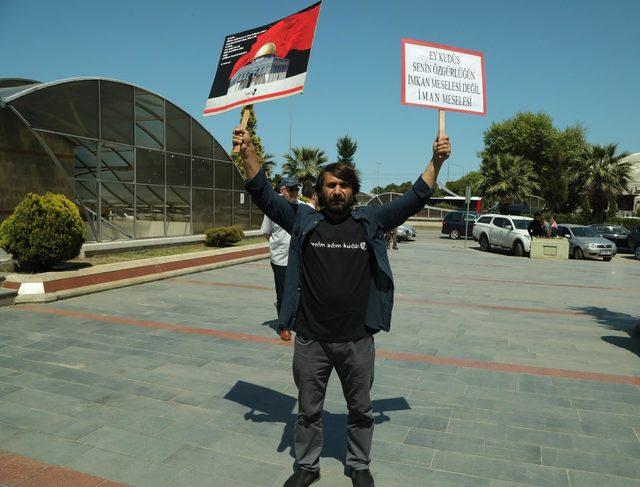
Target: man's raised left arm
x,y
397,211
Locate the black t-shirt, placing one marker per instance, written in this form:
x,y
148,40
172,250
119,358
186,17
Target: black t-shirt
x,y
336,274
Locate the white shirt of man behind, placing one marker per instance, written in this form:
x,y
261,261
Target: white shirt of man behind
x,y
278,241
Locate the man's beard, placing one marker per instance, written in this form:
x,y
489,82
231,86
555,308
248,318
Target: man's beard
x,y
336,207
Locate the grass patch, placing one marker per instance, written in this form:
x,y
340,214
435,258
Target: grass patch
x,y
113,258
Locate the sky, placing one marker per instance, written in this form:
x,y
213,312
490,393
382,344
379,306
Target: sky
x,y
577,60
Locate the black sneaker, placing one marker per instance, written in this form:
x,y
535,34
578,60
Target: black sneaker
x,y
362,478
302,478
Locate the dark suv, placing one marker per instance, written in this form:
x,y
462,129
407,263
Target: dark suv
x,y
617,234
453,224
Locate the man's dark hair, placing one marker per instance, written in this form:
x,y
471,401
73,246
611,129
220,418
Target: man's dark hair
x,y
342,171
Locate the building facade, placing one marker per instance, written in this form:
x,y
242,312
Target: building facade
x,y
629,202
137,165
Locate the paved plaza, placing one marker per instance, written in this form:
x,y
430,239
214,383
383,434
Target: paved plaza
x,y
499,371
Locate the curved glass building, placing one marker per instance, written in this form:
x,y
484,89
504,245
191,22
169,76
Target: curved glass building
x,y
137,164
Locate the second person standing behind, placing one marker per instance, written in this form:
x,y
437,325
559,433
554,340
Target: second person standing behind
x,y
279,240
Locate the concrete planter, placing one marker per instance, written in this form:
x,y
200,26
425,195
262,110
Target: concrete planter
x,y
549,248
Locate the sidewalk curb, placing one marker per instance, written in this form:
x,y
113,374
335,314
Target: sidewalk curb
x,y
52,286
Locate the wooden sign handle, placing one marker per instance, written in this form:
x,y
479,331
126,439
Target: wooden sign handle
x,y
243,124
441,123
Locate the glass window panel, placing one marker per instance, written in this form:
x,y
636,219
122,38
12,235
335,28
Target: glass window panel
x,y
78,156
202,172
238,182
202,205
116,211
224,175
70,108
25,166
219,153
222,208
241,209
256,216
178,129
149,166
149,211
116,162
88,193
178,211
178,170
202,141
149,120
116,102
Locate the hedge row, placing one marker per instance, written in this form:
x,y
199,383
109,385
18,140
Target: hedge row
x,y
223,236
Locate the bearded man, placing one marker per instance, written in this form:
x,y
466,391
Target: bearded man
x,y
338,294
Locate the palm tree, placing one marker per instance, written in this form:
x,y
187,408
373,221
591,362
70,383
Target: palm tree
x,y
268,164
346,147
554,179
602,175
304,163
507,178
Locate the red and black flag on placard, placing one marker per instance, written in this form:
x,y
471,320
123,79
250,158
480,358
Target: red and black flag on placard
x,y
264,63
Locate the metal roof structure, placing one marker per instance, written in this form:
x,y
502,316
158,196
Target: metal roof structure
x,y
14,88
130,157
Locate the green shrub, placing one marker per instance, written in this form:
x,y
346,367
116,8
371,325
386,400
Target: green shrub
x,y
223,236
43,231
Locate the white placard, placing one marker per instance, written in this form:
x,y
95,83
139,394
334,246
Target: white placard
x,y
443,77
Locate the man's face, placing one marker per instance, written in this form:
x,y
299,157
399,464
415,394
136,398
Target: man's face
x,y
290,193
336,195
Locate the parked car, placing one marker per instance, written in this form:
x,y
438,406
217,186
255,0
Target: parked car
x,y
585,242
506,231
406,232
453,223
617,234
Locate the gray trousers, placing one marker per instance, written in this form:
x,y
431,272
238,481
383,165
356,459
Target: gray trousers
x,y
313,362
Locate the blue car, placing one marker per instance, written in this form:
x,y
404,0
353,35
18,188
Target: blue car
x,y
453,224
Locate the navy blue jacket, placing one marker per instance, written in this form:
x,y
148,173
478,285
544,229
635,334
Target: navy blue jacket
x,y
375,220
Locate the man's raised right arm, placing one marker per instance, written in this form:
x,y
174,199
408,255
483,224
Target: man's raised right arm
x,y
257,184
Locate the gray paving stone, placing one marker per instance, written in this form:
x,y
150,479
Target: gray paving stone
x,y
139,446
109,465
599,463
7,431
475,446
526,419
589,479
404,454
43,447
403,475
7,389
606,406
493,468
